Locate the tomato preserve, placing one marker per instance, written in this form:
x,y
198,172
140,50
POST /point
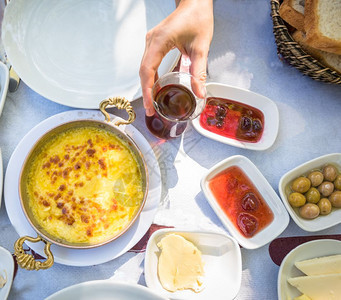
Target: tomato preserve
x,y
241,201
232,119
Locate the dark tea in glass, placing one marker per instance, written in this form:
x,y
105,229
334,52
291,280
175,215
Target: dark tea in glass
x,y
175,104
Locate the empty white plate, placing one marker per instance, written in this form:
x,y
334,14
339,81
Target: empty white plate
x,y
105,290
79,52
222,264
281,217
264,104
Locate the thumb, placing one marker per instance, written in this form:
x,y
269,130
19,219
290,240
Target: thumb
x,y
198,70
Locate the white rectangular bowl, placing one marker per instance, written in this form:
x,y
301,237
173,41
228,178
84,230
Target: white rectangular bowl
x,y
281,217
222,264
264,104
321,222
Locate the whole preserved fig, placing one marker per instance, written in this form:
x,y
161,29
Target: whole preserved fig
x,y
301,185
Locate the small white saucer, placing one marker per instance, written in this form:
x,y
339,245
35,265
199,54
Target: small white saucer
x,y
6,271
281,217
222,264
264,104
321,222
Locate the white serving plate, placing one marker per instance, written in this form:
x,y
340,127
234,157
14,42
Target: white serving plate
x,y
317,248
321,222
281,217
78,53
80,257
222,264
4,81
264,104
105,290
7,271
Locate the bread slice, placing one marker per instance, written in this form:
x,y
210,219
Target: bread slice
x,y
292,12
322,24
331,60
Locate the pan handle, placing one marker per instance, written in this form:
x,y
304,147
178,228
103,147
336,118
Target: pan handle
x,y
27,261
120,103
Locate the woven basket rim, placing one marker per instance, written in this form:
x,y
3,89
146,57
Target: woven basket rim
x,y
295,55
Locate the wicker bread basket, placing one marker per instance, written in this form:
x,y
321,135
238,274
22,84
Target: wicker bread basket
x,y
294,54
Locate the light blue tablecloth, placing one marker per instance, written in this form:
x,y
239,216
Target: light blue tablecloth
x,y
243,54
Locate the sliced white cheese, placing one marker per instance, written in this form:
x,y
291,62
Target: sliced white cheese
x,y
320,265
319,287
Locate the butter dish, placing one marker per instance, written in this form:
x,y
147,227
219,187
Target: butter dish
x,y
221,258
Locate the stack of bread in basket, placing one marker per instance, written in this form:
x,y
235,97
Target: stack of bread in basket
x,y
316,28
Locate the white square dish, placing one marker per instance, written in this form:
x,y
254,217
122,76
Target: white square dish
x,y
321,222
309,250
264,104
4,80
281,217
222,264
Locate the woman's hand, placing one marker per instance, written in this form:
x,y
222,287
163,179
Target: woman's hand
x,y
189,28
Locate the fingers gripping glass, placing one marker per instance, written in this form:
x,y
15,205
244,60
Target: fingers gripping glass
x,y
177,98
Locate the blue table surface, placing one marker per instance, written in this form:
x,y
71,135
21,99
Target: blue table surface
x,y
243,54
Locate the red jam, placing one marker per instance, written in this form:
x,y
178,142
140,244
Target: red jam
x,y
241,201
233,120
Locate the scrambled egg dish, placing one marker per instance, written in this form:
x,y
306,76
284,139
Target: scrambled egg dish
x,y
84,186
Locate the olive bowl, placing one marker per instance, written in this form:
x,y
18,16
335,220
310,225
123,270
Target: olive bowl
x,y
322,221
28,261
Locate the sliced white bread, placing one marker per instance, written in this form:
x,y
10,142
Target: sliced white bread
x,y
322,24
292,12
328,59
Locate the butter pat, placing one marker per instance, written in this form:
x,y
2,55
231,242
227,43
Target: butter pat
x,y
319,287
180,265
320,265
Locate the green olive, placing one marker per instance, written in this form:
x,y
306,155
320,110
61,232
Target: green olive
x,y
325,206
309,211
316,178
330,172
335,199
313,195
337,182
296,199
326,188
301,185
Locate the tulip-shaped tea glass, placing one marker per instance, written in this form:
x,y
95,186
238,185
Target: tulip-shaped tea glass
x,y
178,97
